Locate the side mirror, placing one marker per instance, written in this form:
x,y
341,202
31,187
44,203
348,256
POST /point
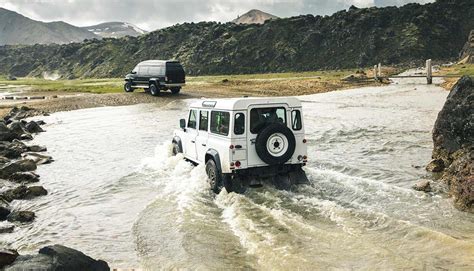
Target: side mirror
x,y
182,123
133,72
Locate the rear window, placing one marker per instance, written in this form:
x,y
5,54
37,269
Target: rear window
x,y
262,117
296,120
203,120
173,66
220,122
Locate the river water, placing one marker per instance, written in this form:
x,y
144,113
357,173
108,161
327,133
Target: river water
x,y
117,194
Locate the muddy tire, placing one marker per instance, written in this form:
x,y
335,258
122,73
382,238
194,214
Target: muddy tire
x,y
234,185
175,90
275,144
154,90
214,176
176,149
128,87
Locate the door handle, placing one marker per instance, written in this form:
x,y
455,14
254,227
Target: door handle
x,y
193,141
204,145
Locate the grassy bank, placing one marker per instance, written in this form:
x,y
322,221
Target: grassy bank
x,y
271,84
458,69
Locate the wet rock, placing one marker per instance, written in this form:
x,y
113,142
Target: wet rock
x,y
13,149
4,212
19,192
453,138
435,165
4,160
24,177
35,191
24,192
26,137
17,114
58,257
39,159
423,185
7,256
17,166
21,216
5,133
7,229
36,148
33,127
40,122
18,128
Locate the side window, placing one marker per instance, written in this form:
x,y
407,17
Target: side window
x,y
203,120
192,119
296,120
239,124
220,122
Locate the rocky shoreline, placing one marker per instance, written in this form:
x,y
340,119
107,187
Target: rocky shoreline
x,y
18,162
453,138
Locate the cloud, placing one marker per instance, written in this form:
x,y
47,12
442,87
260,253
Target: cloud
x,y
154,14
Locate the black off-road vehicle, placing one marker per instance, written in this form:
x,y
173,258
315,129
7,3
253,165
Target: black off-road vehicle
x,y
156,75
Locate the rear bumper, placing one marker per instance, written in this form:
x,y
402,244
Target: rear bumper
x,y
267,171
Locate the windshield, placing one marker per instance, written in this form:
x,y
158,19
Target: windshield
x,y
262,117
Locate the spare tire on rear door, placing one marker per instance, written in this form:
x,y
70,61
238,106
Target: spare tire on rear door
x,y
275,144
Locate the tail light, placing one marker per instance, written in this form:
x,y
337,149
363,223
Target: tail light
x,y
237,163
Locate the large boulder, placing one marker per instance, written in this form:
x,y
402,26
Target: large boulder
x,y
5,133
24,177
24,192
21,216
13,149
17,114
33,127
18,128
17,166
453,138
467,53
4,212
7,256
39,159
58,257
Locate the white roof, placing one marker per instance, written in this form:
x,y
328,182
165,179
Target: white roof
x,y
244,103
155,62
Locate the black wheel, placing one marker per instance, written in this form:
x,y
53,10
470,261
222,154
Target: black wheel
x,y
154,90
235,185
275,144
175,90
214,176
176,149
128,87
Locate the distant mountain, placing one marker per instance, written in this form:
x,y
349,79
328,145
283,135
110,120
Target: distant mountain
x,y
347,39
115,30
254,16
18,29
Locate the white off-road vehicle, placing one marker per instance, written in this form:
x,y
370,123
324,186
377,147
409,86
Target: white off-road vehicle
x,y
245,142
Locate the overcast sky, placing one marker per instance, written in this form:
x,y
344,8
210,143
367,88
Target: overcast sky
x,y
154,14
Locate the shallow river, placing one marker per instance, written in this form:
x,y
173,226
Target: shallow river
x,y
117,194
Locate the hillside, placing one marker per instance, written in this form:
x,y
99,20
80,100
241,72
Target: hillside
x,y
347,39
18,29
467,53
254,16
115,30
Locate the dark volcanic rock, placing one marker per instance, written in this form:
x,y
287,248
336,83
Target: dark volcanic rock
x,y
4,212
58,257
24,192
35,191
5,133
7,256
17,166
6,229
24,177
18,128
36,148
13,149
33,127
21,216
453,138
39,159
17,114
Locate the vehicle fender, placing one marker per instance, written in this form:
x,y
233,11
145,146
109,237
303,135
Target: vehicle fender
x,y
155,81
177,140
211,153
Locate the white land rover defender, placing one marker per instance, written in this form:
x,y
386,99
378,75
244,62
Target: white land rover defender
x,y
245,141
